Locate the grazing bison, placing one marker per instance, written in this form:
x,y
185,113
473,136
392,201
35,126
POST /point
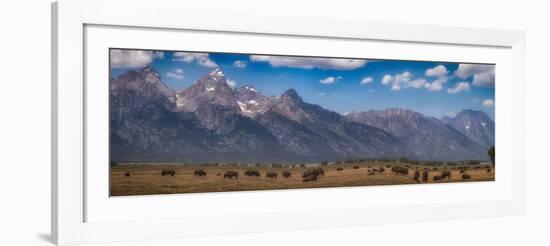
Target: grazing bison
x,y
400,170
272,175
314,171
425,175
445,174
466,176
339,169
168,173
437,178
231,175
219,174
417,176
489,170
286,174
312,174
127,174
381,170
199,173
371,173
355,167
252,173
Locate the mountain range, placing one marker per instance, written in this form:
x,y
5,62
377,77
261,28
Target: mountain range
x,y
212,122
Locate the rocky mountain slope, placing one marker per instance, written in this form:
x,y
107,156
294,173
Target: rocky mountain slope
x,y
211,122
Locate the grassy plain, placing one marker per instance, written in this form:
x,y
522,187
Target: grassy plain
x,y
147,179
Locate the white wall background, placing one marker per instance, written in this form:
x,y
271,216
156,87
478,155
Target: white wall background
x,y
25,122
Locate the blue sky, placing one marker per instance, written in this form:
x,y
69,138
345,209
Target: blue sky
x,y
342,85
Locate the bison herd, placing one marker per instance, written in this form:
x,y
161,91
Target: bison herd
x,y
313,174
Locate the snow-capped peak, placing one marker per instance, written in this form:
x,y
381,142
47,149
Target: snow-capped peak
x,y
250,88
217,73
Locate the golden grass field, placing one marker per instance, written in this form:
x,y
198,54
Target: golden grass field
x,y
147,179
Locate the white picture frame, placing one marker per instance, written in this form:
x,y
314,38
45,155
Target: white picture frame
x,y
81,214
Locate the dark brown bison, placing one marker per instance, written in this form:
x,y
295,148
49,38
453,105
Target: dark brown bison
x,y
127,174
488,170
466,176
381,169
355,167
312,174
371,173
417,176
219,174
437,178
199,173
231,175
400,170
252,173
445,174
168,173
286,174
272,175
425,175
339,169
315,171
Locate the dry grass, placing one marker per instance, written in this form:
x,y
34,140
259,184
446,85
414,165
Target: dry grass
x,y
147,179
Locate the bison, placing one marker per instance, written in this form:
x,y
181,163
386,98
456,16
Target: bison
x,y
425,175
312,174
417,176
400,170
231,175
445,174
355,167
488,170
286,174
381,170
168,173
339,169
437,178
199,173
272,175
466,176
127,174
252,173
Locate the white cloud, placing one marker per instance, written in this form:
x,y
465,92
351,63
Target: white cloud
x,y
322,93
417,83
329,80
200,58
438,71
403,80
133,58
240,64
176,74
395,87
366,80
387,79
488,103
460,87
483,75
231,83
434,86
310,63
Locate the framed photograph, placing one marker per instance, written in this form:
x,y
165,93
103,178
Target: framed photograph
x,y
172,126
